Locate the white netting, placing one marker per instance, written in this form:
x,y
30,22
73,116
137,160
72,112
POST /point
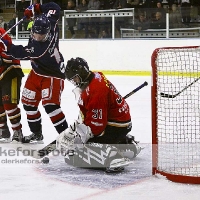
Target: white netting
x,y
178,119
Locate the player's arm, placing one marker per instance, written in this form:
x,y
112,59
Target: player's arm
x,y
20,52
17,51
51,9
93,125
5,42
73,138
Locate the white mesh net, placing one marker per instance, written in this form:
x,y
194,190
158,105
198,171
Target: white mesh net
x,y
178,118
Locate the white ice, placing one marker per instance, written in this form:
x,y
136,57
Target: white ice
x,y
30,181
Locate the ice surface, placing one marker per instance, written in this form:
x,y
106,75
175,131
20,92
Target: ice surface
x,y
56,180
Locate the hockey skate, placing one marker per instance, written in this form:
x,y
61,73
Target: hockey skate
x,y
34,138
5,135
133,144
17,136
118,165
131,149
116,161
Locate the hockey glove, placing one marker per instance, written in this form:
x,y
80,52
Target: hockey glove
x,y
29,12
32,10
84,132
3,46
65,142
37,9
73,138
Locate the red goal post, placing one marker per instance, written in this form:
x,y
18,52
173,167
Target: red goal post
x,y
175,97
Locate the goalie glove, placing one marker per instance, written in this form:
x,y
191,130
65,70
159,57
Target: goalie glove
x,y
73,138
83,131
65,142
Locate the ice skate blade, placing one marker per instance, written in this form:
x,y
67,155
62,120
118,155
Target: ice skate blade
x,y
15,142
36,142
114,170
5,140
120,164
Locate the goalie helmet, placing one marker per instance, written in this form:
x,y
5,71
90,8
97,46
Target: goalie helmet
x,y
77,71
41,26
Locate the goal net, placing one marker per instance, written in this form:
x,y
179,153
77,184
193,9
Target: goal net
x,y
176,113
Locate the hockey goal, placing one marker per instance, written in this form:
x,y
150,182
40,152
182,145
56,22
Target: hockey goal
x,y
176,113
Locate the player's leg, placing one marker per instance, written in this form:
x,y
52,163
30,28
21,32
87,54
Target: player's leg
x,y
10,101
4,130
120,137
31,96
52,89
14,115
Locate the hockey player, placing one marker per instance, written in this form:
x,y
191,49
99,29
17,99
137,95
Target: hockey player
x,y
10,82
105,122
46,80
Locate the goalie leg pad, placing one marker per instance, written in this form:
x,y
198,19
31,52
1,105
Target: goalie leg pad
x,y
92,155
95,155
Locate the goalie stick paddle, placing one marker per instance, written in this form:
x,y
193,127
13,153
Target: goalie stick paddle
x,y
175,95
52,146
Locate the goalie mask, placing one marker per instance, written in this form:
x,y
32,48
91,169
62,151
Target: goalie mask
x,y
77,71
41,28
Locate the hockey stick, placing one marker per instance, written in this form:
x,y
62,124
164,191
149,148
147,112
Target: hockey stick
x,y
52,146
135,90
175,95
13,27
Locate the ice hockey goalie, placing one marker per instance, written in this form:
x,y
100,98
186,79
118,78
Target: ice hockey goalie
x,y
99,138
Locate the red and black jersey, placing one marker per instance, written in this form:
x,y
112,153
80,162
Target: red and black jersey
x,y
102,105
6,37
7,61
